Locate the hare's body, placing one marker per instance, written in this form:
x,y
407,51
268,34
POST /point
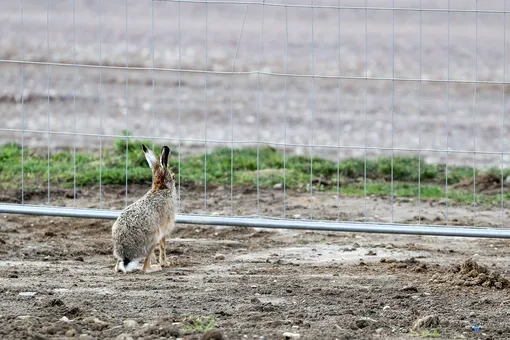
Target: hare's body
x,y
144,224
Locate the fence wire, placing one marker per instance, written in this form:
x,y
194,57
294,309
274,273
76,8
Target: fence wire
x,y
306,89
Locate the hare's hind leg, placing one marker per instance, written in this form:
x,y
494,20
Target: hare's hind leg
x,y
153,256
148,267
162,253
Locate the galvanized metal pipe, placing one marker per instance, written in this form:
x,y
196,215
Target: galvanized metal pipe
x,y
269,223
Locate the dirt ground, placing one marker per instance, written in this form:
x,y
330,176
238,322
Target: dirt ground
x,y
57,278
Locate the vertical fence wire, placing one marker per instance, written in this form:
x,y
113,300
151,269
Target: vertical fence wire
x,y
100,17
392,113
339,117
285,115
22,104
48,70
153,81
127,103
474,114
313,113
74,103
366,116
447,132
205,107
503,121
258,109
179,104
232,115
419,120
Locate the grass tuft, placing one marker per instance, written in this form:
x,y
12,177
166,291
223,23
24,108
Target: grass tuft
x,y
425,333
199,324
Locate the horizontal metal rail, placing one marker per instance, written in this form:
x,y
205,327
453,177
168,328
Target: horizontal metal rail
x,y
269,223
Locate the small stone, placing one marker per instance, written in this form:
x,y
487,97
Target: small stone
x,y
371,253
219,257
386,308
429,321
410,289
64,319
130,324
71,333
85,337
27,293
24,317
274,323
213,334
291,336
278,186
364,323
124,336
93,319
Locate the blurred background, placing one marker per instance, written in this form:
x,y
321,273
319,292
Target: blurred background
x,y
406,45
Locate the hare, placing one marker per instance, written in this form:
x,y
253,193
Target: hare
x,y
145,223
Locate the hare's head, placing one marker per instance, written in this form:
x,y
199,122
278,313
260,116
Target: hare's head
x,y
164,178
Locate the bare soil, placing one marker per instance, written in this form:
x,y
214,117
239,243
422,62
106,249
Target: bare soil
x,y
57,278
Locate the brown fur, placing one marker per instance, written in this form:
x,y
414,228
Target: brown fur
x,y
159,178
137,230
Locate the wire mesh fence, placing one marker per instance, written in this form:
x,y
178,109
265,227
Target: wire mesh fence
x,y
381,114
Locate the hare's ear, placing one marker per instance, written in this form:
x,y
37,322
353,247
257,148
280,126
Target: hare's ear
x,y
149,156
165,153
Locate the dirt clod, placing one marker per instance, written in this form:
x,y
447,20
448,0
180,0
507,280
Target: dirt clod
x,y
470,273
488,183
124,336
291,336
411,289
213,334
130,324
411,264
219,257
427,322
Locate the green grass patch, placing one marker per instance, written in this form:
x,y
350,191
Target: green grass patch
x,y
425,333
239,167
198,324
